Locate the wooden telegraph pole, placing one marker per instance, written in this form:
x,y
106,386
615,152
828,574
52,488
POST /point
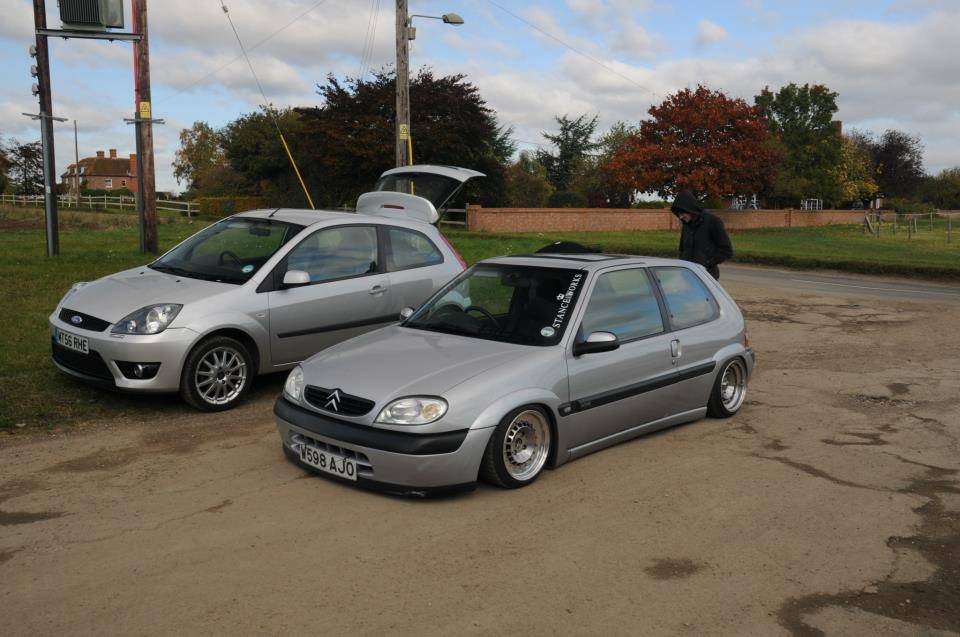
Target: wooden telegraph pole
x,y
403,83
46,130
143,118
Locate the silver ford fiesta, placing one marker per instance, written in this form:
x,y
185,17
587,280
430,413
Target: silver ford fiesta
x,y
517,364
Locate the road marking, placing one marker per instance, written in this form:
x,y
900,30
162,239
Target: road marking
x,y
864,287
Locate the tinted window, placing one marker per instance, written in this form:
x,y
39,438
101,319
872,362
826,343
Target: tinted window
x,y
435,188
688,300
409,249
509,303
231,250
623,302
336,253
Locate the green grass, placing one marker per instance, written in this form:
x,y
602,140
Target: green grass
x,y
32,392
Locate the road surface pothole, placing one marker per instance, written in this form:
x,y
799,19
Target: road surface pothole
x,y
931,603
667,568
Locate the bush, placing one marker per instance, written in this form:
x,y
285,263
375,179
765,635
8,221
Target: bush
x,y
567,199
651,205
907,206
226,206
116,192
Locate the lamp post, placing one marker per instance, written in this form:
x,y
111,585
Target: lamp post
x,y
405,33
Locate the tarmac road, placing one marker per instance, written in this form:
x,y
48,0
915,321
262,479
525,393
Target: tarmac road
x,y
829,505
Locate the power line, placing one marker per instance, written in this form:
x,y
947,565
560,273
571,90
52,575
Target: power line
x,y
251,48
571,47
366,39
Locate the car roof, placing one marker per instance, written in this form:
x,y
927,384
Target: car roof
x,y
311,217
589,261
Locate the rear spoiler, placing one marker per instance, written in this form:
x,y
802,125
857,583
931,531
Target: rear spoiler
x,y
397,205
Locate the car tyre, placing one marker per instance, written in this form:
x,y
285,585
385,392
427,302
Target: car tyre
x,y
729,389
217,374
518,449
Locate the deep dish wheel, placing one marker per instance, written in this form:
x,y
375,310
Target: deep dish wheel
x,y
518,449
729,390
216,374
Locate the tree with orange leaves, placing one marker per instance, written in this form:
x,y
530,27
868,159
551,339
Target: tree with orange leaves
x,y
702,140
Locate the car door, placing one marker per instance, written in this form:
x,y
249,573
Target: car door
x,y
416,266
629,386
691,311
347,293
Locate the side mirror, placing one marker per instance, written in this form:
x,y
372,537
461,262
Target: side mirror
x,y
295,278
595,343
406,313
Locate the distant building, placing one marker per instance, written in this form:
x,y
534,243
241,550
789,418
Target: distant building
x,y
102,173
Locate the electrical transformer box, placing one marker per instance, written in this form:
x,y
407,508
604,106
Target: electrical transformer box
x,y
92,14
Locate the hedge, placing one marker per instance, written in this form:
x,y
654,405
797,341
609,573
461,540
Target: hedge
x,y
226,206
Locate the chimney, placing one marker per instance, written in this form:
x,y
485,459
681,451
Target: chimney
x,y
113,153
133,165
99,154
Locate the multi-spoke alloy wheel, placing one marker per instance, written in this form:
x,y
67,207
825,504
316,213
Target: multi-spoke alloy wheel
x,y
730,389
221,375
518,448
216,374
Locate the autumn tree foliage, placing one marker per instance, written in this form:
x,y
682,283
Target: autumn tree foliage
x,y
699,139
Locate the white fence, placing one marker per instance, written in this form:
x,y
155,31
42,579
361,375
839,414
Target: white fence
x,y
100,202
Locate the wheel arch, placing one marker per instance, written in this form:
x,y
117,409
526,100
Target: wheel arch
x,y
238,335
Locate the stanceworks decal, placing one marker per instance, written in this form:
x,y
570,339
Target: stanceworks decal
x,y
566,299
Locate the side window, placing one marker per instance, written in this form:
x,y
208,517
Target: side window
x,y
336,253
409,249
623,302
688,300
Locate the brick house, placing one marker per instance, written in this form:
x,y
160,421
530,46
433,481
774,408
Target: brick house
x,y
102,173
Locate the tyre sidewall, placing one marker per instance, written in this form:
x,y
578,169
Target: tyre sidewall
x,y
715,407
495,447
188,389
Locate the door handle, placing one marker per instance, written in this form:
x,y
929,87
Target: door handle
x,y
378,289
675,350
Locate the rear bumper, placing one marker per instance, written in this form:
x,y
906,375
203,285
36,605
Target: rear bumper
x,y
396,462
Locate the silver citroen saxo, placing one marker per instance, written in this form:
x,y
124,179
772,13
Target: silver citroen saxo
x,y
519,363
259,292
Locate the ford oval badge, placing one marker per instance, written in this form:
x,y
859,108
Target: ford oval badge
x,y
76,320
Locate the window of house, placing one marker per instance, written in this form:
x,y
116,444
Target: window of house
x,y
623,302
108,183
123,183
410,249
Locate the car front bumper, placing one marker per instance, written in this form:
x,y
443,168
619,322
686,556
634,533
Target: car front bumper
x,y
168,348
387,460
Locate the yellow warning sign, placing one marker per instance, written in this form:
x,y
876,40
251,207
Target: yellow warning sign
x,y
404,131
144,110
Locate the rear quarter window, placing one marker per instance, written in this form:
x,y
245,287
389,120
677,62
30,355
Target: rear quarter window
x,y
688,300
410,249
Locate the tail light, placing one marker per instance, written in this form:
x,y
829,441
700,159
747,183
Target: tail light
x,y
746,340
463,264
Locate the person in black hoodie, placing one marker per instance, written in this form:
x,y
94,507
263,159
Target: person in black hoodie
x,y
703,239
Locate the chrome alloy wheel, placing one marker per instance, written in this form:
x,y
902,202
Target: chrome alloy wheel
x,y
526,445
733,385
221,375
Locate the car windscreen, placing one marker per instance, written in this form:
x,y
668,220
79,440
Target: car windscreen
x,y
230,251
434,188
527,305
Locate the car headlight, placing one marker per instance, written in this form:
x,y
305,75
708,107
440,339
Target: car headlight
x,y
415,410
73,288
293,388
152,319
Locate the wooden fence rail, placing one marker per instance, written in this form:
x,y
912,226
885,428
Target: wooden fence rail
x,y
100,202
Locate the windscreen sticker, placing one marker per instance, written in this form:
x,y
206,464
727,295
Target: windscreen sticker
x,y
247,269
566,299
547,332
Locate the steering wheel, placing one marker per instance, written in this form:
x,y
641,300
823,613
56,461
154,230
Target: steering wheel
x,y
487,314
233,256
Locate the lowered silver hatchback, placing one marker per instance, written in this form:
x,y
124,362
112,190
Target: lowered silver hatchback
x,y
519,363
259,292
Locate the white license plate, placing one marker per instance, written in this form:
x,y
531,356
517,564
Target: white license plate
x,y
328,462
74,342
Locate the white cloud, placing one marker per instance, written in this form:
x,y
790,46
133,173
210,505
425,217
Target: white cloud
x,y
636,43
709,33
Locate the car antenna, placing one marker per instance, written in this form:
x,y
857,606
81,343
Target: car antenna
x,y
273,213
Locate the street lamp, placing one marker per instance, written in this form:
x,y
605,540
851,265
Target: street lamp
x,y
405,33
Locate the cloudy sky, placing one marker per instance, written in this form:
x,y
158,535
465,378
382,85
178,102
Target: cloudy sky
x,y
894,62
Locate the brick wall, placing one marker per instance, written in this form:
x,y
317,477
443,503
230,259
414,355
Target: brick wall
x,y
617,220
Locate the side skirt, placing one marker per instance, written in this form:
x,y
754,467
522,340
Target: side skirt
x,y
634,432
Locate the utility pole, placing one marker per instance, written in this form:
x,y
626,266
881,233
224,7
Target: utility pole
x,y
46,131
403,83
143,118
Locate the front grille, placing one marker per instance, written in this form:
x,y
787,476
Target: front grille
x,y
364,467
87,322
89,364
342,403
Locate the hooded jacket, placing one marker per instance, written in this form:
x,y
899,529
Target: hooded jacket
x,y
703,240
